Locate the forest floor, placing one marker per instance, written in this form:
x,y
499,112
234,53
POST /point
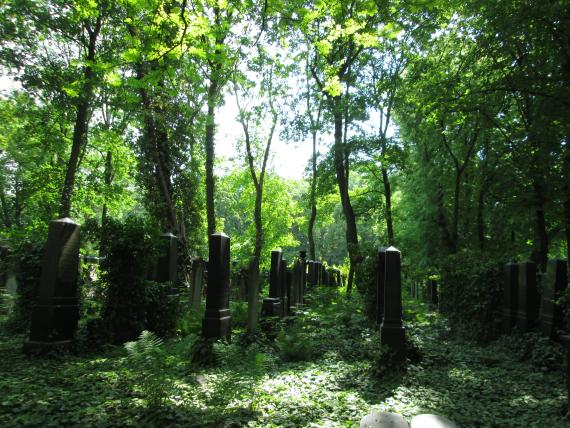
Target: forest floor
x,y
324,369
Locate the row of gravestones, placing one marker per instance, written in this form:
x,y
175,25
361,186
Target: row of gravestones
x,y
55,313
524,307
426,291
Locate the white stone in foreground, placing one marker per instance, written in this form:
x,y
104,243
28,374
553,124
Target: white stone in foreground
x,y
383,420
432,421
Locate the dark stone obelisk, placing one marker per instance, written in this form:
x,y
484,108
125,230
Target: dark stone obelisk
x,y
312,275
392,332
56,313
529,299
554,283
303,257
380,278
166,266
510,297
272,305
283,285
217,320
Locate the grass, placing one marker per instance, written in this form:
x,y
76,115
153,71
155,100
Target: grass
x,y
330,382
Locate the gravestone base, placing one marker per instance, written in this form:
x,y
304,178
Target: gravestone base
x,y
53,325
217,324
271,307
395,338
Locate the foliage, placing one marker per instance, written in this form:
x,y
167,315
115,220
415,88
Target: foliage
x,y
162,308
149,363
29,253
294,344
470,294
129,249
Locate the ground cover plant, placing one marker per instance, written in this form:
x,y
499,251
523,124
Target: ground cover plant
x,y
330,377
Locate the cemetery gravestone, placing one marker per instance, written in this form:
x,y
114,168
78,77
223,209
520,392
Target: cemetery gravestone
x,y
312,275
510,297
528,298
392,332
303,256
167,263
217,320
554,283
272,304
433,298
380,278
56,313
283,285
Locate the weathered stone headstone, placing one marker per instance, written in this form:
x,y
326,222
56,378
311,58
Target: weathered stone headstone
x,y
510,297
272,304
392,332
56,313
198,268
433,297
217,320
312,276
252,296
383,420
303,284
167,263
290,295
380,278
283,285
553,284
529,300
431,421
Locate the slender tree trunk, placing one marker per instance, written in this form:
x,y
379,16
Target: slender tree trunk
x,y
108,181
210,129
81,125
313,217
540,252
455,219
342,181
388,198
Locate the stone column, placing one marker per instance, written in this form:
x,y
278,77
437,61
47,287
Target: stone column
x,y
167,264
56,313
217,320
272,304
283,282
380,278
554,283
312,275
198,268
303,256
392,332
510,297
529,300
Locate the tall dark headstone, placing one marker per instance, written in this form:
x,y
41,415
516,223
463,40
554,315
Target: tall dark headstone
x,y
56,313
312,272
380,278
510,297
554,283
167,264
283,285
198,268
529,300
303,256
290,286
433,297
217,320
392,332
272,304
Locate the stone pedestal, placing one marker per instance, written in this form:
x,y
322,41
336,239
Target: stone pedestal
x,y
510,297
528,298
217,320
392,332
56,313
554,283
272,305
380,278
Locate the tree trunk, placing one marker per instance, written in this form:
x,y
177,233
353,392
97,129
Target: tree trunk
x,y
108,181
80,128
480,217
342,181
566,191
210,129
388,197
455,219
5,210
540,251
313,202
